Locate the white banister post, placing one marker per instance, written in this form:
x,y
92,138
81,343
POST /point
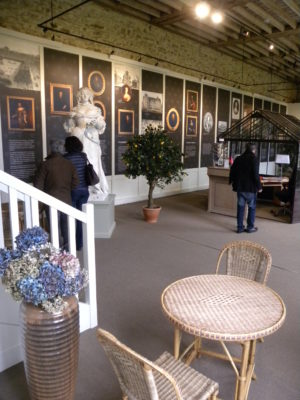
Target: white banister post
x,y
89,261
14,215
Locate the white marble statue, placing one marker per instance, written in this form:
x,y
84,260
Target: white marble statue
x,y
87,123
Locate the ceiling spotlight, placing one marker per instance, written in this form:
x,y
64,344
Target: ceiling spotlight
x,y
202,10
217,17
271,47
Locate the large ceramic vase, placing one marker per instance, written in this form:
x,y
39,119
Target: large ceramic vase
x,y
151,214
50,343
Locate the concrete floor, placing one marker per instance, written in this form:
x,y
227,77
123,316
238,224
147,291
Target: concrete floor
x,y
140,260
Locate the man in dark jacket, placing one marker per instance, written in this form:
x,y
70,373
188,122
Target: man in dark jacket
x,y
57,177
244,177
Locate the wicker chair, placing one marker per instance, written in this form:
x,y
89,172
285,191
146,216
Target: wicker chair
x,y
164,379
245,259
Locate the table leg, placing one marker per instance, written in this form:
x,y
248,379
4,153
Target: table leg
x,y
177,340
241,384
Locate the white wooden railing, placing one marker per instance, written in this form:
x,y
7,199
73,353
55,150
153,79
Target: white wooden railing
x,y
16,195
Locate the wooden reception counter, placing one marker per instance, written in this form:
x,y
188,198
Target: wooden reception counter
x,y
221,198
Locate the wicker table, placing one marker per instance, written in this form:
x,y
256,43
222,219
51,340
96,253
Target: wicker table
x,y
227,309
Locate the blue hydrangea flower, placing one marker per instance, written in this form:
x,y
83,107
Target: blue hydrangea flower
x,y
35,236
52,279
32,290
74,285
5,257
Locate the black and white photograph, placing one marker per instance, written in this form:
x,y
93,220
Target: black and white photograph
x,y
236,103
125,122
208,122
127,75
19,64
96,82
152,105
191,125
61,98
20,113
222,126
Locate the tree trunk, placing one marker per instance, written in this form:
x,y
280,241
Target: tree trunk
x,y
150,194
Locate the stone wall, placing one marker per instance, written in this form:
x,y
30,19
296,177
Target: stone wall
x,y
125,36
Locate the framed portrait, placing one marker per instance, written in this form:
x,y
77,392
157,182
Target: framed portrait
x,y
191,100
126,93
96,82
191,126
100,105
61,98
125,122
172,119
235,109
208,122
20,113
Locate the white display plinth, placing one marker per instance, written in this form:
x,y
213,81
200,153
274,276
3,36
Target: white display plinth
x,y
104,216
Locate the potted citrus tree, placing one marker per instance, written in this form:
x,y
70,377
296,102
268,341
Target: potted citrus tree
x,y
157,157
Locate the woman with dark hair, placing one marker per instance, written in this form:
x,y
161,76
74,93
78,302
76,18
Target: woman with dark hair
x,y
79,195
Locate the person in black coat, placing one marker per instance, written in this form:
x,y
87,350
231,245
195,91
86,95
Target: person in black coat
x,y
80,194
244,177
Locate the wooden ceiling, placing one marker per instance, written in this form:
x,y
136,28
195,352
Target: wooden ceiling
x,y
266,21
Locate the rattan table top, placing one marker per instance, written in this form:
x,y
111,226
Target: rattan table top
x,y
223,307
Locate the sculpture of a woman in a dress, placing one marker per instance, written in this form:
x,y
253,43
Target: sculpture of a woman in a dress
x,y
87,123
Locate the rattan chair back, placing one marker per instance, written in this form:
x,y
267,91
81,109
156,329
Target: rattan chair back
x,y
141,379
245,259
134,372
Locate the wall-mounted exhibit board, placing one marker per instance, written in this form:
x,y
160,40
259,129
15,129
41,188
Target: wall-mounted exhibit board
x,y
258,103
247,105
173,108
127,84
61,72
20,107
152,99
223,111
267,105
192,124
193,113
208,125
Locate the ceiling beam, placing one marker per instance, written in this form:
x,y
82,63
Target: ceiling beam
x,y
282,14
266,15
293,6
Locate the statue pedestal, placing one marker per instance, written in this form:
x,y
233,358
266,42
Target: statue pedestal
x,y
104,216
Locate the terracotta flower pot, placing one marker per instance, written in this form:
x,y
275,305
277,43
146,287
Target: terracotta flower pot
x,y
151,214
50,343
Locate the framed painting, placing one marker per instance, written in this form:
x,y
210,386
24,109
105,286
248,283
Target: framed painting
x,y
125,122
191,126
96,82
100,105
191,100
172,119
20,113
61,98
126,93
236,108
